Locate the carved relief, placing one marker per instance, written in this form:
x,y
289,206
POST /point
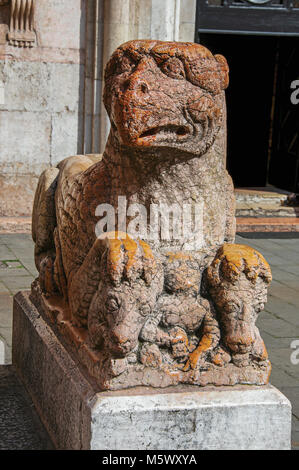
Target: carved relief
x,y
153,311
21,28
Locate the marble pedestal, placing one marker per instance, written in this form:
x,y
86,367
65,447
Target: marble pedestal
x,y
77,416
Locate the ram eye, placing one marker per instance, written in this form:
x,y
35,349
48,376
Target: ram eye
x,y
174,68
112,305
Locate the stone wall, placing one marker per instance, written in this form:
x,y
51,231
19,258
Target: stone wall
x,y
51,93
40,110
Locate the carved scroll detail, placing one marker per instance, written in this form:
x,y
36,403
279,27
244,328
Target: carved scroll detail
x,y
21,28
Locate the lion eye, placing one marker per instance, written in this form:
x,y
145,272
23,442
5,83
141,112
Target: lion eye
x,y
174,69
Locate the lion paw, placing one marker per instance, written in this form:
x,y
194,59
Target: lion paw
x,y
127,259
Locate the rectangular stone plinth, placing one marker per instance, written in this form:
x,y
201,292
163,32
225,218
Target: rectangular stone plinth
x,y
77,416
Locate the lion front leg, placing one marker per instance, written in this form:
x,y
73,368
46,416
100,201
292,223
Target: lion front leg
x,y
209,340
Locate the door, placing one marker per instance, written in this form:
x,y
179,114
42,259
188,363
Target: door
x,y
260,40
284,160
251,61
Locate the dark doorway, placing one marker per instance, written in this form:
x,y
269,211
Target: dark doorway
x,y
260,39
263,122
284,161
249,102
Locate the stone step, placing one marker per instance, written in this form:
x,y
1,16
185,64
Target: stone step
x,y
261,209
15,224
20,427
263,202
267,224
262,195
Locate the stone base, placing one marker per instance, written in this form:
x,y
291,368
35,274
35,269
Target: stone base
x,y
77,416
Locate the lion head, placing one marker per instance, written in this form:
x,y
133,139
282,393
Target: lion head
x,y
165,95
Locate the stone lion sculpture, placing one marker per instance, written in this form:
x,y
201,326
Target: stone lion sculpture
x,y
152,310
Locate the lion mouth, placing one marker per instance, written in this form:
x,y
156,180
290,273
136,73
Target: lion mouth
x,y
167,132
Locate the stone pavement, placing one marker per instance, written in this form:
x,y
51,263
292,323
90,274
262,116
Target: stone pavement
x,y
17,271
279,323
20,427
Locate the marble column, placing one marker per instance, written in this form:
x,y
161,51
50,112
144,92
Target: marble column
x,y
113,22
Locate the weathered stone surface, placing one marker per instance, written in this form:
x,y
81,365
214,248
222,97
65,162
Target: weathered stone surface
x,y
40,92
34,144
78,416
150,308
19,194
225,419
51,377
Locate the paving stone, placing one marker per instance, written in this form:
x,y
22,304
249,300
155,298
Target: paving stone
x,y
29,264
289,313
290,268
278,327
266,315
3,288
14,239
6,334
272,342
282,308
292,393
286,254
292,284
12,272
284,277
31,269
20,427
6,253
5,352
295,424
14,284
6,303
285,293
279,378
282,358
8,355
